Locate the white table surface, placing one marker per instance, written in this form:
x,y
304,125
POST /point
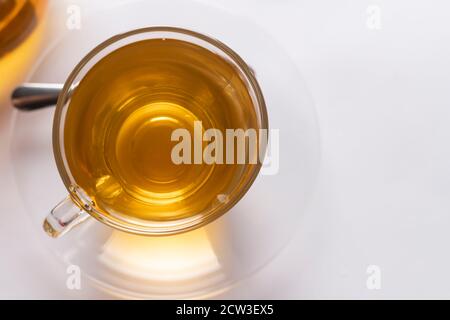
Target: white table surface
x,y
383,102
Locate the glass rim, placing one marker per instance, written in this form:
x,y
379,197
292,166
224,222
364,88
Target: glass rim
x,y
159,227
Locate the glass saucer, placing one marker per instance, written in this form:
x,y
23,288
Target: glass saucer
x,y
209,260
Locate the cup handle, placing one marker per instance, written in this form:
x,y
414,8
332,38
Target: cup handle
x,y
63,217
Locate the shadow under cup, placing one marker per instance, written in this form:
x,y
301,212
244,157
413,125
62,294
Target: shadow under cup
x,y
210,87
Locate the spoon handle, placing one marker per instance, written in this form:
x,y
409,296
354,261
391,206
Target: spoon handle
x,y
32,96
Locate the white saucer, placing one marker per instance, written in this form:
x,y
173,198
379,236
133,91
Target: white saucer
x,y
205,261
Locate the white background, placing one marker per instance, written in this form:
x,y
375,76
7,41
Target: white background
x,y
383,103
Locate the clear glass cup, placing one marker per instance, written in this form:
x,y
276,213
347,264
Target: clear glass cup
x,y
78,206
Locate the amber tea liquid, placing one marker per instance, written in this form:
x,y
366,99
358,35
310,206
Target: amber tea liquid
x,y
117,134
18,18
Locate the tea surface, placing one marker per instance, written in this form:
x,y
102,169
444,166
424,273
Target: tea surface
x,y
117,134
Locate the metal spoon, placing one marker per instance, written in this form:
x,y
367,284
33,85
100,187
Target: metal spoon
x,y
32,96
